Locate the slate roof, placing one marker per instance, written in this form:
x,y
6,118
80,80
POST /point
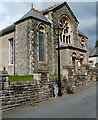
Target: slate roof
x,y
33,14
64,46
54,7
94,52
7,30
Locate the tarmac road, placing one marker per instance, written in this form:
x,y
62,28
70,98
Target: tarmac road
x,y
80,105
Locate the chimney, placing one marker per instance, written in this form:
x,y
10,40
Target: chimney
x,y
32,8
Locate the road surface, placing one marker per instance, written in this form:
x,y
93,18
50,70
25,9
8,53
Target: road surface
x,y
80,105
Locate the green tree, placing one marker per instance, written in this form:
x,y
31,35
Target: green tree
x,y
96,44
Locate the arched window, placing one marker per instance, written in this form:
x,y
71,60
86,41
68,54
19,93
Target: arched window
x,y
83,44
67,33
41,35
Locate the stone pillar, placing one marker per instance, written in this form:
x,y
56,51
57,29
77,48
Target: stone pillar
x,y
4,80
3,84
42,72
67,71
30,46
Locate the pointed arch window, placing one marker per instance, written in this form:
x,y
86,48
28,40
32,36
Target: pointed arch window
x,y
83,44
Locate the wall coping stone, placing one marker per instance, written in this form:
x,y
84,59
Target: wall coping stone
x,y
4,74
43,71
79,74
68,66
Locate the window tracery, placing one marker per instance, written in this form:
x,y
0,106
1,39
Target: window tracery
x,y
67,33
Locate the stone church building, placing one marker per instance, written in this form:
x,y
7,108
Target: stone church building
x,y
30,44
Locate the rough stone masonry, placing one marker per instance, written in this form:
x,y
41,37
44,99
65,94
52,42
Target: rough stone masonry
x,y
17,93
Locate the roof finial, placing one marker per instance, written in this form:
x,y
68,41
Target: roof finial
x,y
32,8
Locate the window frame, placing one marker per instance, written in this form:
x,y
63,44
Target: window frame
x,y
42,45
68,26
11,52
43,31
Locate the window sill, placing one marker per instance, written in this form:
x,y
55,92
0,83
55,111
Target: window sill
x,y
42,62
11,65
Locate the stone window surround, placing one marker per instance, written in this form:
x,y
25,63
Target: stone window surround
x,y
81,59
45,40
70,34
77,59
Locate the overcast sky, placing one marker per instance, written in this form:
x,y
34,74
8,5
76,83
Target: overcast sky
x,y
84,11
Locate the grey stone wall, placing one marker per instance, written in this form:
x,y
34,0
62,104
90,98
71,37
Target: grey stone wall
x,y
64,10
22,60
29,92
27,47
41,65
66,59
76,81
54,17
86,47
25,92
17,93
44,65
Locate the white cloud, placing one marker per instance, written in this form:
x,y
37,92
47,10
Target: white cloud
x,y
12,11
48,1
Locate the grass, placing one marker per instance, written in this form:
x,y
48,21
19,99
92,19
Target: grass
x,y
20,78
54,75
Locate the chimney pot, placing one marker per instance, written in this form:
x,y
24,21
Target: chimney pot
x,y
32,7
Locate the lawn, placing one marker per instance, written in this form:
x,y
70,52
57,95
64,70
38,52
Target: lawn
x,y
20,78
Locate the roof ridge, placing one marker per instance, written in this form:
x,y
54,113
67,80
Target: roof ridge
x,y
56,6
34,14
50,7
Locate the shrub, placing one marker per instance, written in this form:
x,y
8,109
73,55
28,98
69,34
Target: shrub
x,y
69,89
97,79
